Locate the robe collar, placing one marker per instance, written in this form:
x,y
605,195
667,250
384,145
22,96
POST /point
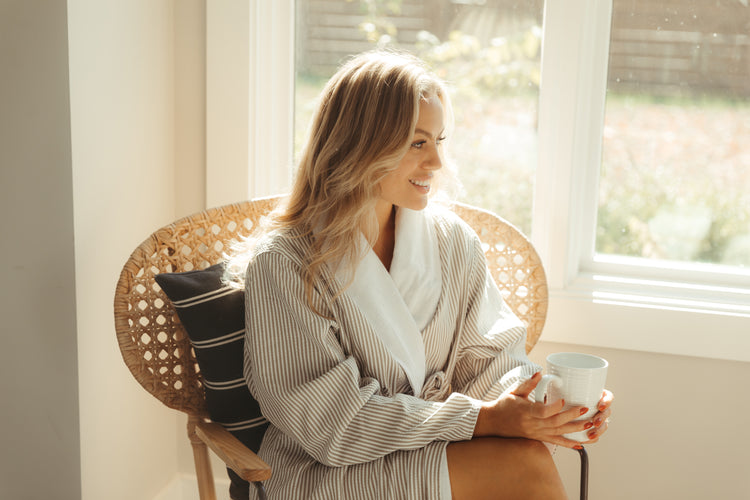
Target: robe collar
x,y
399,304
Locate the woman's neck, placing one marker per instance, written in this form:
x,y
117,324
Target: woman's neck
x,y
386,241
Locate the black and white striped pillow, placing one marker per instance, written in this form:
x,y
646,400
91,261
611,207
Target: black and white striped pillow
x,y
214,318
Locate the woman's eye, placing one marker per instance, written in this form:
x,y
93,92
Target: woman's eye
x,y
440,139
418,144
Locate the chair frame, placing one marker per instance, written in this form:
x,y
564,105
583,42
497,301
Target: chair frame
x,y
158,352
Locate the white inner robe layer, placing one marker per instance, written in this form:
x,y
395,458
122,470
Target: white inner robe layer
x,y
399,303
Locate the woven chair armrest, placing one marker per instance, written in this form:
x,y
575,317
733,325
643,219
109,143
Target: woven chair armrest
x,y
235,455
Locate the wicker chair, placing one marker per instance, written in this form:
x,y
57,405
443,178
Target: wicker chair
x,y
157,350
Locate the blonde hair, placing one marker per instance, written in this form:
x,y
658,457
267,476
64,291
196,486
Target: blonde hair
x,y
363,126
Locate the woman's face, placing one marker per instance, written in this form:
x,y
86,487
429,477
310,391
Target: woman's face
x,y
409,184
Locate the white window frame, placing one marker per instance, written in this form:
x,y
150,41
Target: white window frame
x,y
608,301
249,98
594,300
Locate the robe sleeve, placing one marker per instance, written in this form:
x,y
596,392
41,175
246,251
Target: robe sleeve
x,y
492,344
313,392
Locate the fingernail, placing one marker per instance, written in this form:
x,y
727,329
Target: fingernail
x,y
584,411
578,447
592,434
602,408
598,422
588,425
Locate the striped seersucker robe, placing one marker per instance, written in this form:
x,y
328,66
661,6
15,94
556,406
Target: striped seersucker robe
x,y
344,421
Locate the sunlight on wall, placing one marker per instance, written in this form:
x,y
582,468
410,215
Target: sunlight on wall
x,y
122,107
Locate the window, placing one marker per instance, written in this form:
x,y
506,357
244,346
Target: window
x,y
595,298
675,183
599,295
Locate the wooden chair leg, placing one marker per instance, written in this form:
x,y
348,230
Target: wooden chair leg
x,y
584,489
206,488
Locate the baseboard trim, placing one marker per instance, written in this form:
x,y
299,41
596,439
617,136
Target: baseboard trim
x,y
185,487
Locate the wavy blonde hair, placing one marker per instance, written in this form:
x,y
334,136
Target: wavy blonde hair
x,y
363,126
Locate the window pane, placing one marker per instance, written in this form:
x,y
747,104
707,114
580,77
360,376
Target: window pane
x,y
488,51
675,182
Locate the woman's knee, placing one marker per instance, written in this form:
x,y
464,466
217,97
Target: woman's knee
x,y
502,468
535,457
529,457
499,450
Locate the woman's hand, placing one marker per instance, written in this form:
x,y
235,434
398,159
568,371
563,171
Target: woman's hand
x,y
600,422
513,415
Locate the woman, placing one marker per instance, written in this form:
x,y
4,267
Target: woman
x,y
378,346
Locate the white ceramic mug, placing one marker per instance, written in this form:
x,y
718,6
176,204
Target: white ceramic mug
x,y
578,379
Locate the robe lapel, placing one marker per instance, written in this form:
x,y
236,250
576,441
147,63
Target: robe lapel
x,y
415,267
400,304
378,299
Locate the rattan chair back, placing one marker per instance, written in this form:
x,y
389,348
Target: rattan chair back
x,y
155,346
514,264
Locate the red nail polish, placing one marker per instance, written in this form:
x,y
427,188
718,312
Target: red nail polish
x,y
578,447
584,410
592,434
588,425
598,422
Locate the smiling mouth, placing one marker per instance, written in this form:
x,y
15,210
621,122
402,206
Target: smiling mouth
x,y
423,184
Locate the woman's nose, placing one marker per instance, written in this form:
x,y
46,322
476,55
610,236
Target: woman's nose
x,y
434,160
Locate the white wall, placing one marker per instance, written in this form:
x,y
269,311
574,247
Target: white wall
x,y
39,436
100,101
190,106
125,131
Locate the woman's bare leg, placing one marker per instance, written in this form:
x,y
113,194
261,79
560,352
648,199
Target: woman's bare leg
x,y
499,468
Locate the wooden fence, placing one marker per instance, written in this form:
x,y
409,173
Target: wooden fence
x,y
330,30
681,47
665,47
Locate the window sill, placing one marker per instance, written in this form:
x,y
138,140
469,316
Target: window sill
x,y
652,315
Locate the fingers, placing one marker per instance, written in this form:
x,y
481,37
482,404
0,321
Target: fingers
x,y
552,423
606,401
563,422
600,424
594,434
562,441
541,410
603,415
600,421
526,387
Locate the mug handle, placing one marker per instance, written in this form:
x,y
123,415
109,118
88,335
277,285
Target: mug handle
x,y
541,388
